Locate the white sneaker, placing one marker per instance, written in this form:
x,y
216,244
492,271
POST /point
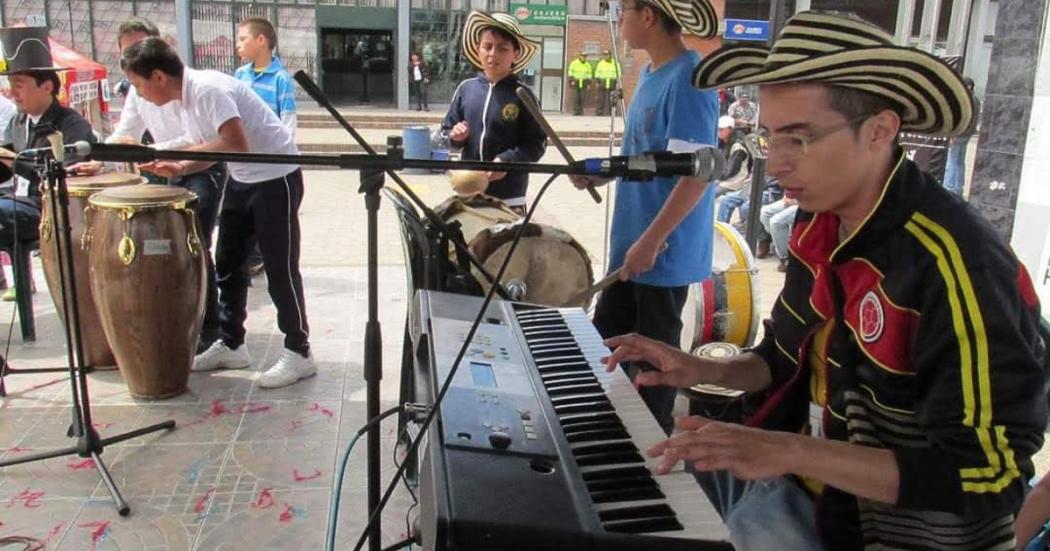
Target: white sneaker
x,y
220,356
290,367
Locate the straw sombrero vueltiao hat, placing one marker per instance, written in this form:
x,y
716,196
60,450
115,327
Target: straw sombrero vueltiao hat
x,y
696,17
25,49
478,21
844,51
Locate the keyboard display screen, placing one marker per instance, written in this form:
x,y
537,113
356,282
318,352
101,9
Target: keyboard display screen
x,y
483,375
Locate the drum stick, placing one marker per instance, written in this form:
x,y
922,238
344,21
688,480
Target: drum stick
x,y
534,109
585,295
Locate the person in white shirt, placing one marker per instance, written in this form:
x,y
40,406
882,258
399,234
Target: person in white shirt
x,y
164,124
261,201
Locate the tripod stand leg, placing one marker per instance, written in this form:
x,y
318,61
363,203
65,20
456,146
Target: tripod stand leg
x,y
38,456
103,472
169,424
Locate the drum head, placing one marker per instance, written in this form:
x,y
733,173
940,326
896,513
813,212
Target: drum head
x,y
144,195
551,264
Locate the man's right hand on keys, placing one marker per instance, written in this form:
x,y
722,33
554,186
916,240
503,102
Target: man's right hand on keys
x,y
673,367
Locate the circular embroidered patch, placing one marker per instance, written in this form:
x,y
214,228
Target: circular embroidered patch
x,y
872,318
510,112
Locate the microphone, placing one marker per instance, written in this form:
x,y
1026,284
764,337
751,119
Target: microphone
x,y
705,164
78,149
122,152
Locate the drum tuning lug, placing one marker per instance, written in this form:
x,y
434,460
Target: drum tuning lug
x,y
126,250
45,229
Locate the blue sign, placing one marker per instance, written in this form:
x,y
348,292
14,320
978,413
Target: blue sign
x,y
747,29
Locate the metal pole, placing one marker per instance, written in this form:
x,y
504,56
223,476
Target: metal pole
x,y
777,16
905,18
931,15
184,31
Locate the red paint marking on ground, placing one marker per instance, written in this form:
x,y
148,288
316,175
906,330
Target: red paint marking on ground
x,y
218,408
318,408
100,529
17,449
85,464
300,478
288,514
102,425
51,534
264,500
296,423
254,408
29,499
202,503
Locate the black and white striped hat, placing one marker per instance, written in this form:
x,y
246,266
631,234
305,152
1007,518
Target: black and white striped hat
x,y
843,51
478,21
697,17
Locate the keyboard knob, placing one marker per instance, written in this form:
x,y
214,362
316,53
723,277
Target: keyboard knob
x,y
499,440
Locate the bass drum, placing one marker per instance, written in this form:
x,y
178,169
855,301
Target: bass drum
x,y
550,264
724,307
475,213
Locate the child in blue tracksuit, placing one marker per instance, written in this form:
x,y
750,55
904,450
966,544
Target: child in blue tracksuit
x,y
485,116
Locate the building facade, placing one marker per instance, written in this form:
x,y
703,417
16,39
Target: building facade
x,y
359,49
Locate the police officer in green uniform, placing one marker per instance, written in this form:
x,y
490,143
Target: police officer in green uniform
x,y
580,75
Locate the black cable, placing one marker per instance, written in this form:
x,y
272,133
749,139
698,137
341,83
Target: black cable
x,y
455,364
408,487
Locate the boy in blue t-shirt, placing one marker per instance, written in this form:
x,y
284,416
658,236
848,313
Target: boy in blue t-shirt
x,y
666,114
264,72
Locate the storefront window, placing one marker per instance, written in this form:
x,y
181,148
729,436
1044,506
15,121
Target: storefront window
x,y
436,37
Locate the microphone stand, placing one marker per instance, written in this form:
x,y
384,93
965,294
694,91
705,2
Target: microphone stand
x,y
616,99
89,444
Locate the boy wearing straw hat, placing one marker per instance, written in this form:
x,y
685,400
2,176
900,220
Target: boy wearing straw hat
x,y
903,369
485,116
666,114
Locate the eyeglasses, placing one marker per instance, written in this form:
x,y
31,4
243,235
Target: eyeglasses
x,y
792,147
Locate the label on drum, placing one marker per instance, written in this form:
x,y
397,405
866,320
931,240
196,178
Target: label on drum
x,y
154,247
21,186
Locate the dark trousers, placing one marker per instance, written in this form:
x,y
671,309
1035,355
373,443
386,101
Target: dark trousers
x,y
269,213
418,88
604,105
25,215
208,186
655,312
581,95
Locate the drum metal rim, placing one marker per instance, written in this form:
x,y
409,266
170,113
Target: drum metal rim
x,y
180,204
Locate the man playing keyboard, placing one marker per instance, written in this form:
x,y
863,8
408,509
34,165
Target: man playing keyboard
x,y
902,370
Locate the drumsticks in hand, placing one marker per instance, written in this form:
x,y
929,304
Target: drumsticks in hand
x,y
584,296
534,109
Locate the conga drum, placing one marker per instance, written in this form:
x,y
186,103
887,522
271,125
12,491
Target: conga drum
x,y
552,265
148,278
724,307
97,353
